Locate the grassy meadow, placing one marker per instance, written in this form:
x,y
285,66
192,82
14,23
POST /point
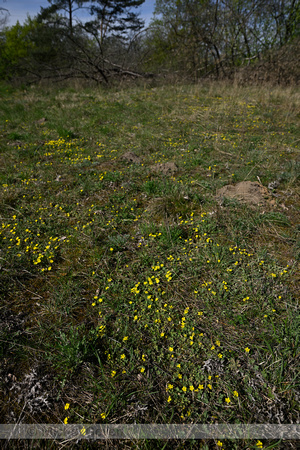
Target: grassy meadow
x,y
131,294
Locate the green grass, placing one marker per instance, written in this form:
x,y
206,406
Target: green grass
x,y
136,297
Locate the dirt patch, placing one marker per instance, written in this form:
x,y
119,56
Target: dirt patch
x,y
168,168
41,121
131,157
249,192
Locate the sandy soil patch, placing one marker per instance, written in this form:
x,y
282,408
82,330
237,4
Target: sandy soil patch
x,y
249,192
131,157
168,168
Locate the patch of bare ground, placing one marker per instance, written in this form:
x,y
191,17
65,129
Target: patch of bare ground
x,y
250,192
168,168
131,157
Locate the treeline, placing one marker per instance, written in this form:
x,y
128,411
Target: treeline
x,y
200,37
104,40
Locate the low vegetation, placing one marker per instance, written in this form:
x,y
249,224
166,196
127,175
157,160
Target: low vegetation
x,y
131,293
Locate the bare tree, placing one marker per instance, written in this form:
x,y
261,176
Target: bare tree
x,y
98,47
198,37
4,14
